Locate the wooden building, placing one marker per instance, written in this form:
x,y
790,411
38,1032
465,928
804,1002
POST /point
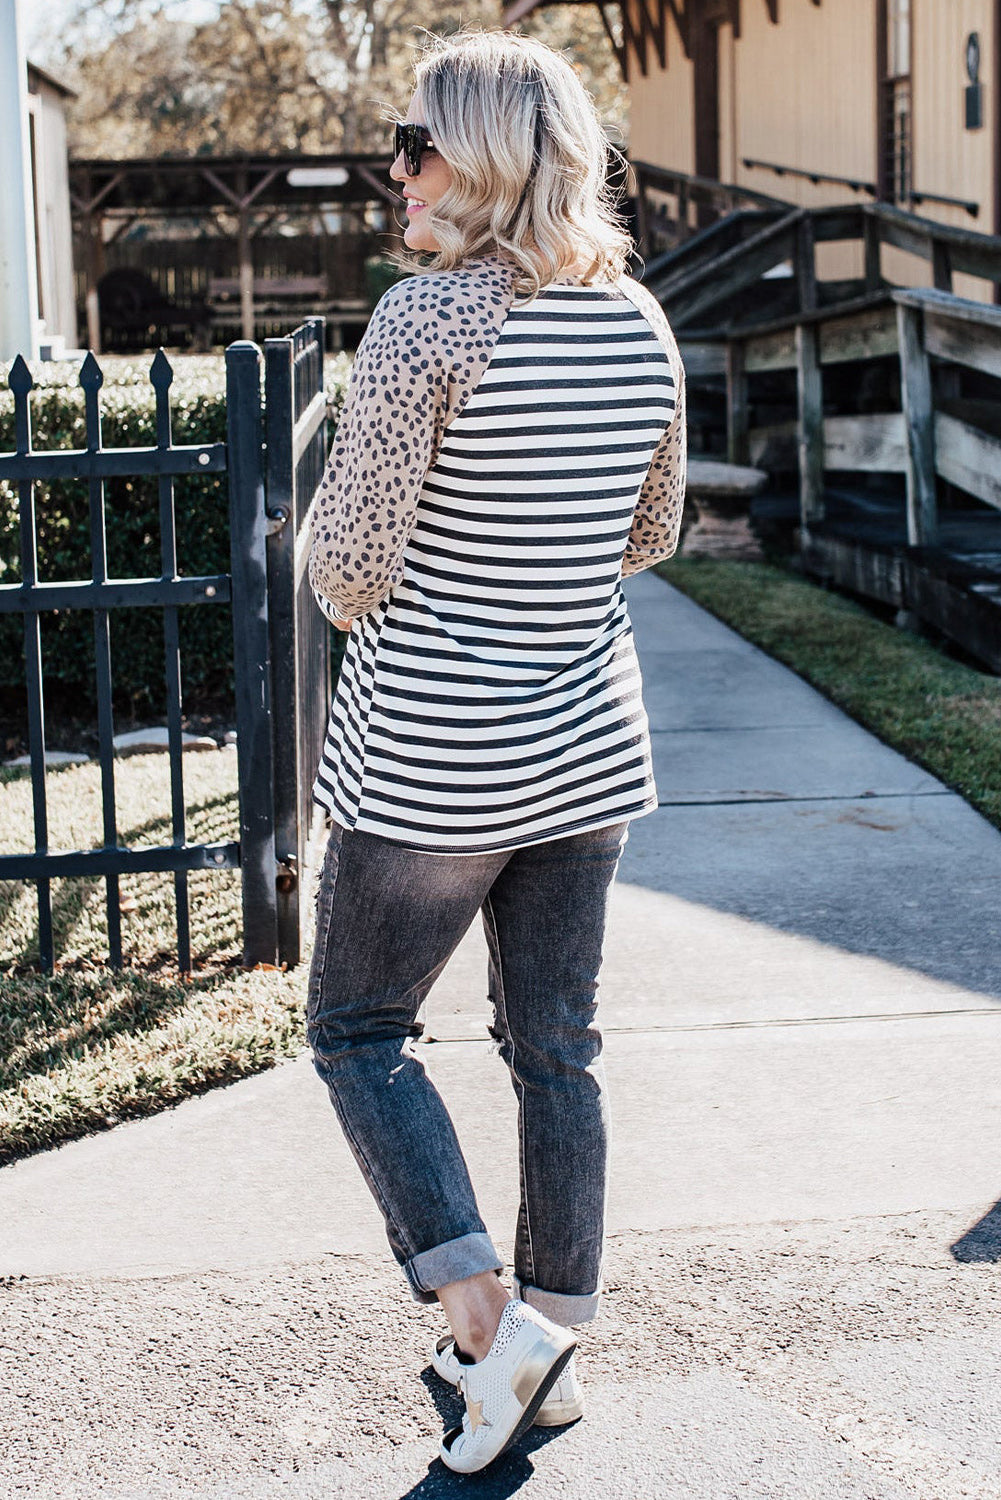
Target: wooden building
x,y
820,101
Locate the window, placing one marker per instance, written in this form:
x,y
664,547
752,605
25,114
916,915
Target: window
x,y
897,117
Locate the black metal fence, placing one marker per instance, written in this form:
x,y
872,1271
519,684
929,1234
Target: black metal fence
x,y
295,440
275,628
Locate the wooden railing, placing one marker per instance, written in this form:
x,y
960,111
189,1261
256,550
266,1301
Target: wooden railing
x,y
672,206
938,442
939,437
696,287
746,300
919,441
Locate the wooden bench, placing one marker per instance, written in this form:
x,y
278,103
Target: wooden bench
x,y
288,297
136,315
268,289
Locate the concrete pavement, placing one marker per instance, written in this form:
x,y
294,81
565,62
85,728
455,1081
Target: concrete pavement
x,y
802,1003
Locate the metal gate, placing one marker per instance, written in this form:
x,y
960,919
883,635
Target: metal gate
x,y
281,641
296,444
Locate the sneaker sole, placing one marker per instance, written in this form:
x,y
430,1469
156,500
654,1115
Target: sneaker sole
x,y
524,1423
560,1413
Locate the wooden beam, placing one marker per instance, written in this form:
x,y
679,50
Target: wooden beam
x,y
732,271
855,566
968,457
681,21
518,11
870,334
88,204
919,416
806,265
736,404
873,444
866,335
378,187
702,359
653,16
872,242
810,436
963,344
770,351
620,51
941,261
95,270
636,35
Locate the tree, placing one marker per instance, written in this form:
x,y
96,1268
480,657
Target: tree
x,y
275,75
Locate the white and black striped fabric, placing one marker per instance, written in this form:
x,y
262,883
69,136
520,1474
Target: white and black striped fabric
x,y
493,699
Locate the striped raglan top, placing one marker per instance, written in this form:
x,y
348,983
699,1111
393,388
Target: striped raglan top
x,y
487,490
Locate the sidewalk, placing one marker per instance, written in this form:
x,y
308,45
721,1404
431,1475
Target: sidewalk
x,y
802,1005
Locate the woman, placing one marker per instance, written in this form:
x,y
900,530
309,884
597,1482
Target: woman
x,y
511,446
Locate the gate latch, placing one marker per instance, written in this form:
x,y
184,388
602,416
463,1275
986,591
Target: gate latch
x,y
287,873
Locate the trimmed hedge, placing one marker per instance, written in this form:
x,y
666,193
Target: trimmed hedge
x,y
62,513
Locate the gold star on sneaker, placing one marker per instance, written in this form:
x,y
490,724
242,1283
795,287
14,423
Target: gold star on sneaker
x,y
474,1410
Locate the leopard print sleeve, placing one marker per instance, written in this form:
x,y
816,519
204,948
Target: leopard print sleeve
x,y
427,345
656,524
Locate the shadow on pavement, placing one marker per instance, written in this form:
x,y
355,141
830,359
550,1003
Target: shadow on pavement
x,y
982,1241
911,881
504,1477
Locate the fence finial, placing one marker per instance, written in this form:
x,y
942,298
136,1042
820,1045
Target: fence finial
x,y
20,381
20,378
161,372
161,376
91,374
92,379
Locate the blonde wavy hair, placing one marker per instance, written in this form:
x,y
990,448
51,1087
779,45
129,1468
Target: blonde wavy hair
x,y
529,161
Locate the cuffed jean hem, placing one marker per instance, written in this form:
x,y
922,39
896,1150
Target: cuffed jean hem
x,y
452,1261
561,1307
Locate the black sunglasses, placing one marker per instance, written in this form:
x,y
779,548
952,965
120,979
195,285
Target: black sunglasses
x,y
413,141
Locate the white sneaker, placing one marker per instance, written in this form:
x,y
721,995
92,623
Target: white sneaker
x,y
565,1402
504,1391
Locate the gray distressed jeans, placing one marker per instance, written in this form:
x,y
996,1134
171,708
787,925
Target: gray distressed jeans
x,y
388,920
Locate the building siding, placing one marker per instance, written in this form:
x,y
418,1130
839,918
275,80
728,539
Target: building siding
x,y
662,107
948,158
803,94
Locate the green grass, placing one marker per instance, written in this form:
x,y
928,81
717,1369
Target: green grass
x,y
939,712
86,1047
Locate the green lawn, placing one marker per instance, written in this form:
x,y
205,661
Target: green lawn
x,y
937,711
86,1048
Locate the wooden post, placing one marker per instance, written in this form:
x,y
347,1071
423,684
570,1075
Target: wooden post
x,y
246,255
806,265
683,224
919,418
810,436
95,270
941,262
871,241
736,404
642,219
